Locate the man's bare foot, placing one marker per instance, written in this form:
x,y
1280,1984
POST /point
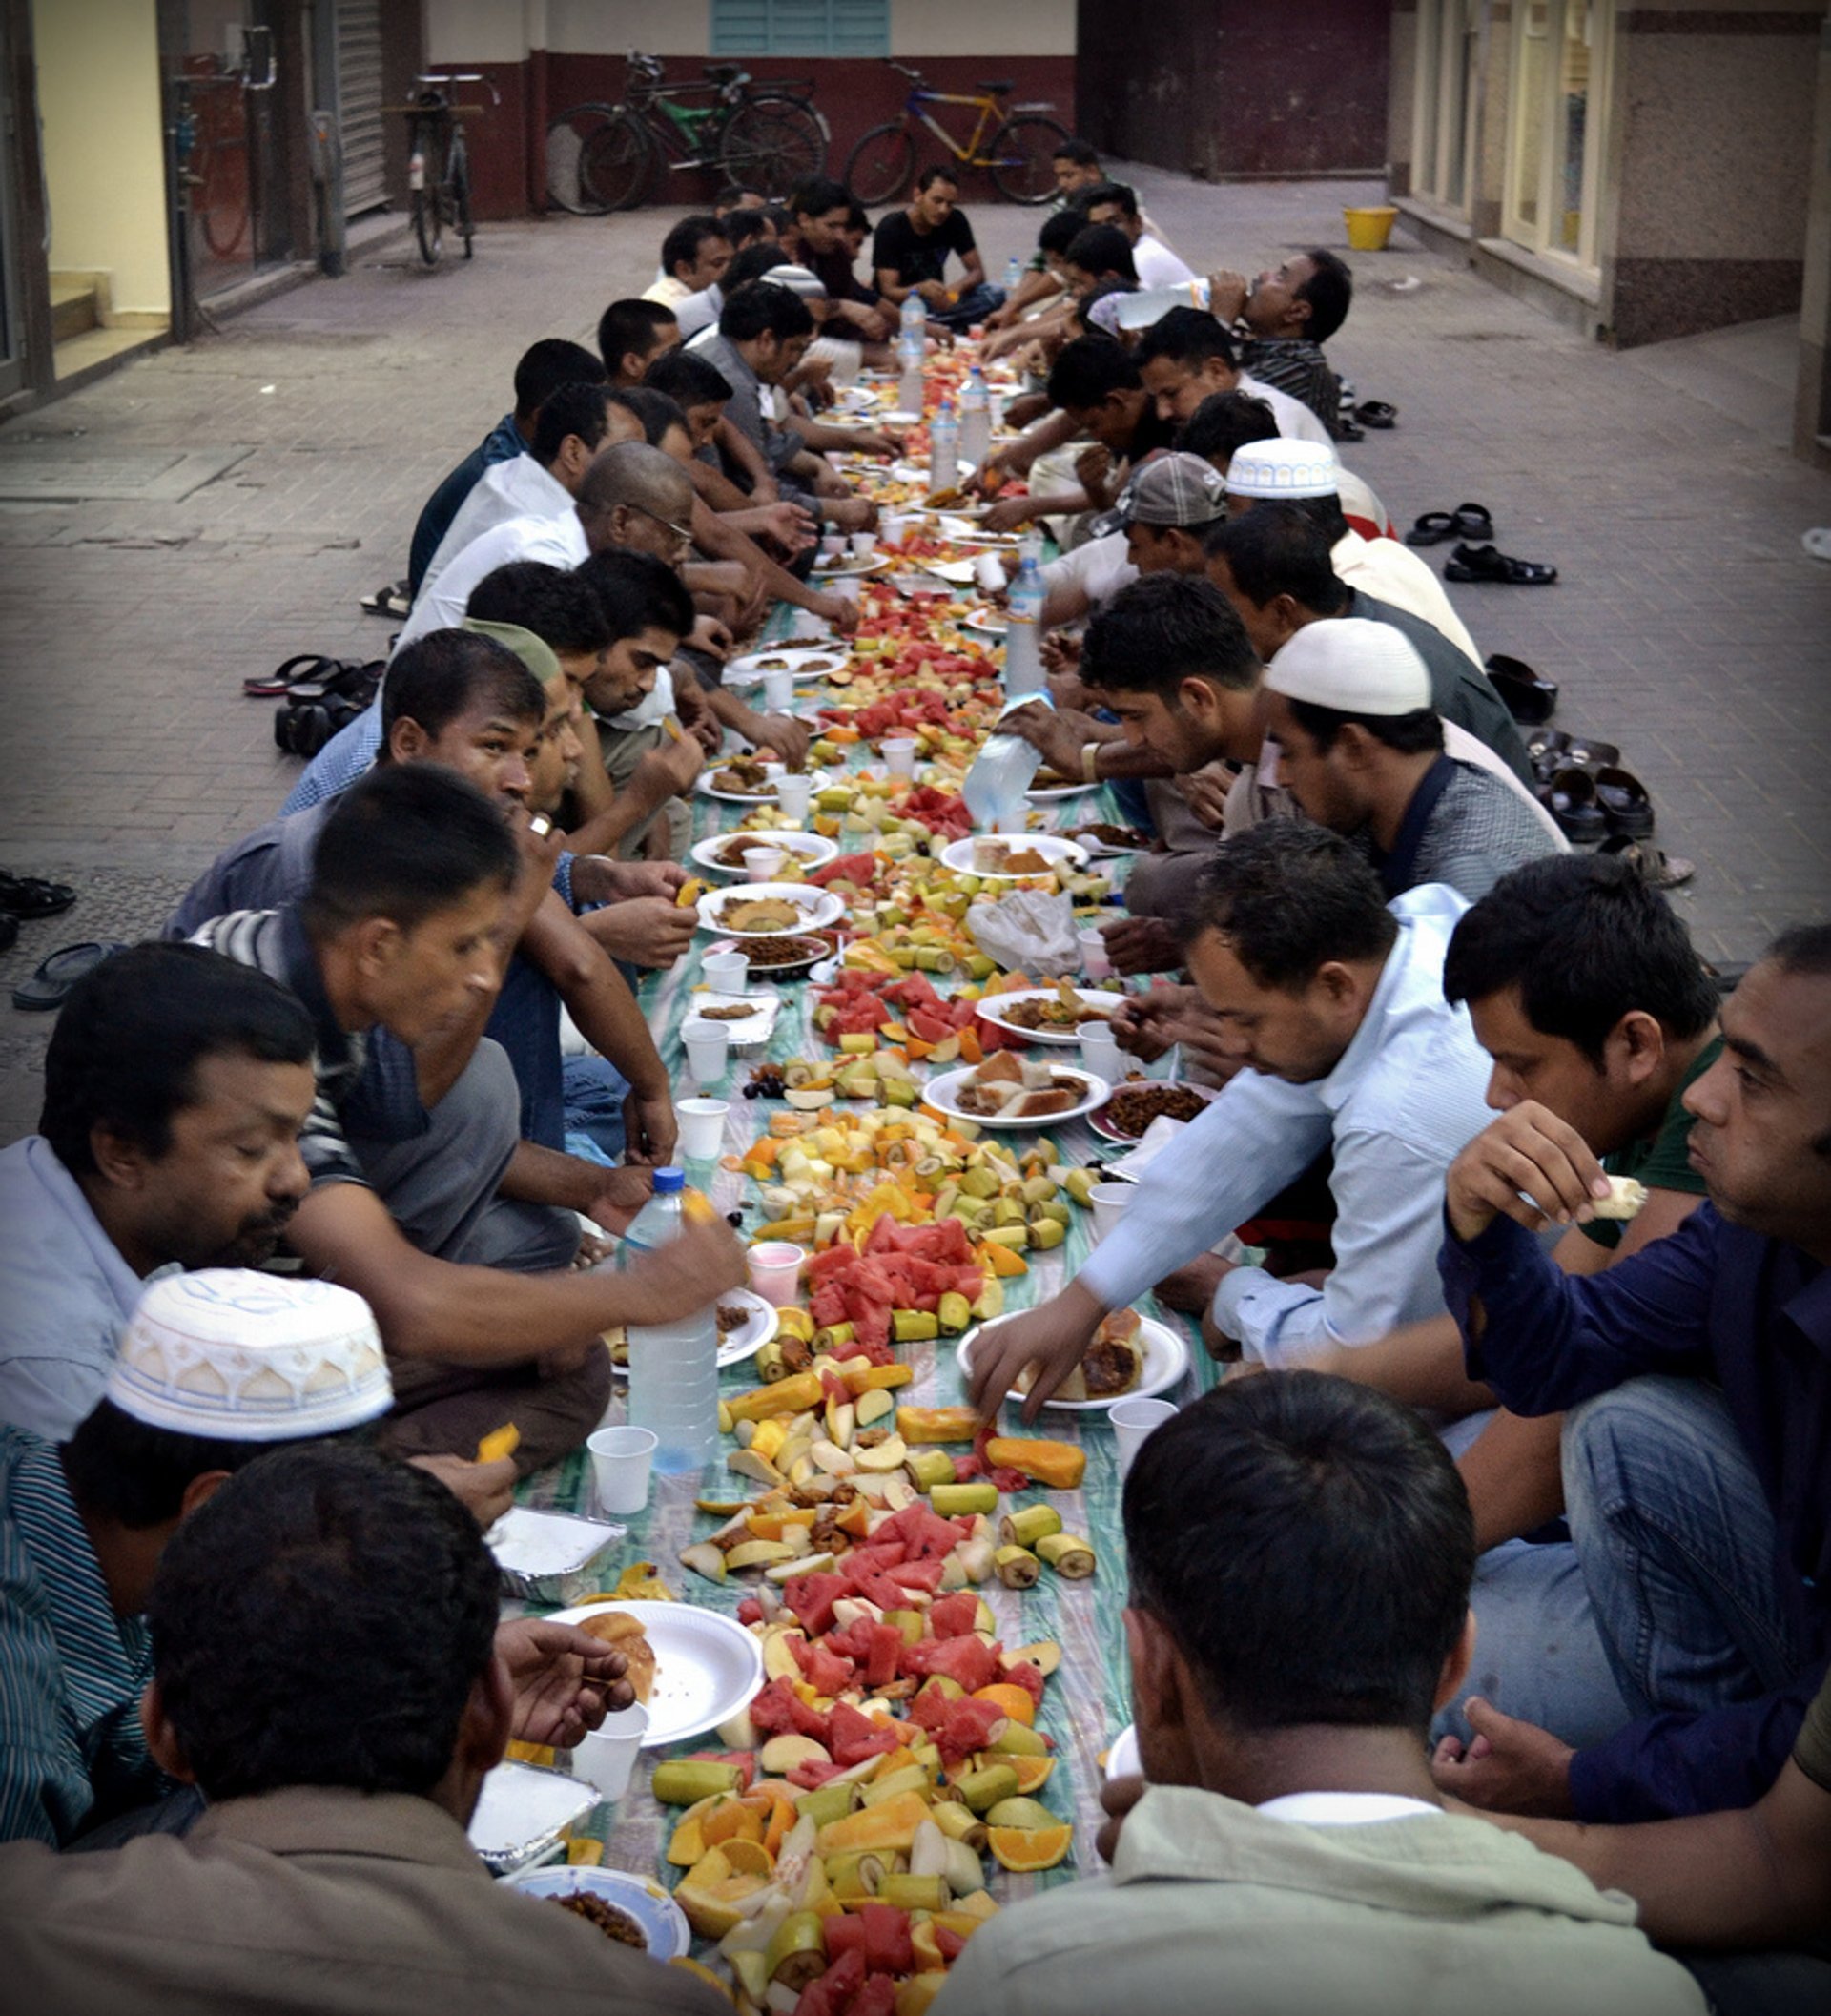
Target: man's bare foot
x,y
1190,1290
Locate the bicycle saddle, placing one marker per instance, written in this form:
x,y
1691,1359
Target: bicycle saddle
x,y
723,71
998,89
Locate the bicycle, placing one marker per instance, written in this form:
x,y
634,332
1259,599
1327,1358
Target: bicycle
x,y
438,162
602,157
1014,145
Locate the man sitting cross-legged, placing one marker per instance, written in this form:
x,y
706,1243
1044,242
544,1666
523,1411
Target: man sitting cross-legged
x,y
1329,1007
1300,1552
326,1670
458,1233
910,254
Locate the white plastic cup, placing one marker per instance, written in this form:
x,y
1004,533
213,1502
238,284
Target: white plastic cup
x,y
1109,1203
1099,1052
702,1126
988,570
763,864
832,546
727,972
793,795
1132,1421
1095,961
900,755
891,526
775,1271
606,1756
620,1460
778,690
863,545
708,1049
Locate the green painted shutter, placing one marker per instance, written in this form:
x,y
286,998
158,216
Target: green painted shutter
x,y
800,27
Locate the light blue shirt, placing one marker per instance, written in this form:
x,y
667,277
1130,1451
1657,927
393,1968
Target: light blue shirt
x,y
65,1292
1406,1098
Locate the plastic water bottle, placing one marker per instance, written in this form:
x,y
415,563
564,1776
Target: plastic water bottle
x,y
944,449
909,339
1013,274
976,419
1023,633
1146,305
912,330
1000,773
673,1367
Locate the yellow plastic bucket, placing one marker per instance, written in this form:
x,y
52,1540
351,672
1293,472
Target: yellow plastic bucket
x,y
1367,229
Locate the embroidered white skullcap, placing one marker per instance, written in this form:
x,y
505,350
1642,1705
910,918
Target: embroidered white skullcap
x,y
1353,665
237,1356
797,280
1284,468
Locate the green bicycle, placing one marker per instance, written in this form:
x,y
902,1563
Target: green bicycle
x,y
767,136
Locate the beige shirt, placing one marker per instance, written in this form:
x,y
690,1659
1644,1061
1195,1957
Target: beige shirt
x,y
309,1903
1391,571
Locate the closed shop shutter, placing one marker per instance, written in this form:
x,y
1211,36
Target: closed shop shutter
x,y
358,101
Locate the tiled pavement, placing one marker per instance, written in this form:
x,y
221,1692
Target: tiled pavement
x,y
1687,624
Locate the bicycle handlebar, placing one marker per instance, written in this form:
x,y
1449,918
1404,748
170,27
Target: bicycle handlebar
x,y
914,76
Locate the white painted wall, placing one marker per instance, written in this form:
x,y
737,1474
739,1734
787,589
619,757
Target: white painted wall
x,y
505,30
104,148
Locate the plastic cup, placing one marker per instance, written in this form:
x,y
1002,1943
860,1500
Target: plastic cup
x,y
1132,1421
793,795
606,1756
727,972
778,690
702,1126
763,864
708,1049
832,546
988,570
1109,1202
863,545
620,1460
892,525
775,1271
900,755
1094,960
1099,1052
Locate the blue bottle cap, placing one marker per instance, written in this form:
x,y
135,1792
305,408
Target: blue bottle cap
x,y
669,1181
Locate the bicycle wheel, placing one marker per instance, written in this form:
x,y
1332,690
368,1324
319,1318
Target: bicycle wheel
x,y
1022,156
567,138
773,144
616,163
459,193
878,169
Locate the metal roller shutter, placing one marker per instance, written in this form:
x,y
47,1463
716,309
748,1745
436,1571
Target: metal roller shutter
x,y
358,101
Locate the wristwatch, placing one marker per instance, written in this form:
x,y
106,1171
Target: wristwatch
x,y
1090,762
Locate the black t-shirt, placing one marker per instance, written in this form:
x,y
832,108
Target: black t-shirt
x,y
899,248
1151,434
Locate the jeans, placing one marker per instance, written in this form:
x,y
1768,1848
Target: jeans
x,y
972,306
1678,1547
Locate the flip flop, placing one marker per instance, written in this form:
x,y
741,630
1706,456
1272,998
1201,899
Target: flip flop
x,y
1624,801
1660,870
1475,521
1529,699
390,598
1432,529
32,896
54,978
285,678
1485,563
1375,412
1569,797
1585,753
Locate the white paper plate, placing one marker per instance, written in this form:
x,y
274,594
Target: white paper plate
x,y
1098,1123
1057,851
1054,794
793,970
918,472
663,1923
817,907
806,662
987,622
845,569
815,849
989,1006
942,1094
706,1666
897,417
1122,1760
742,1343
1166,1358
707,790
757,1027
957,573
964,532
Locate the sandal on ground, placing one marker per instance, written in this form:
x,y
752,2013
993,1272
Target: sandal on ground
x,y
1569,797
1586,752
390,598
1432,529
1658,869
52,978
1624,801
308,671
32,896
1475,521
1529,699
1817,542
1487,563
1376,413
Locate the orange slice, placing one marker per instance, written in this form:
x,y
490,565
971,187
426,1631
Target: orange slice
x,y
1015,1700
1033,1771
749,1857
1028,1848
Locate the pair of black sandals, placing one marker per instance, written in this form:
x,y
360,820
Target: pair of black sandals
x,y
319,697
1598,803
1477,558
24,898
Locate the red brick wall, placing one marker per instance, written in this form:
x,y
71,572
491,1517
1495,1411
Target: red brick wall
x,y
505,144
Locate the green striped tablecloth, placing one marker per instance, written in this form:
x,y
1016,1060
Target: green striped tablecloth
x,y
1086,1703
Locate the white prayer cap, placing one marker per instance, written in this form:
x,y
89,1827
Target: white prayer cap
x,y
1353,665
797,280
236,1356
1284,468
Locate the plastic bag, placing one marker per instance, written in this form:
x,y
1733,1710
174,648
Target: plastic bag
x,y
1030,930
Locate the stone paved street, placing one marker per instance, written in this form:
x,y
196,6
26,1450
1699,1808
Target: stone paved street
x,y
1687,624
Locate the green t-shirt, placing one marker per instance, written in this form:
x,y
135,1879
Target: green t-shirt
x,y
1812,1753
1659,1162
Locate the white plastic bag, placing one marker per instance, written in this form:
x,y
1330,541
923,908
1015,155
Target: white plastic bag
x,y
1030,930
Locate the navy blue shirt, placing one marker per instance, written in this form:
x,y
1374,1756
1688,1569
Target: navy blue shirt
x,y
502,444
1713,1301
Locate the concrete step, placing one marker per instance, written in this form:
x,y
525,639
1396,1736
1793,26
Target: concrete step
x,y
76,306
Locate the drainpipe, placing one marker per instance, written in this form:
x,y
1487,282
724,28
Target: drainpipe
x,y
534,99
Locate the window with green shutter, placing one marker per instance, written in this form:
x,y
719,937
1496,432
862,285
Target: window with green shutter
x,y
800,27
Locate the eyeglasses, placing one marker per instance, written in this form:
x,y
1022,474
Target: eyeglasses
x,y
684,534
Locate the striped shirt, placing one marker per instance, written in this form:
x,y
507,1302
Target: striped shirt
x,y
72,1672
1464,826
1296,365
